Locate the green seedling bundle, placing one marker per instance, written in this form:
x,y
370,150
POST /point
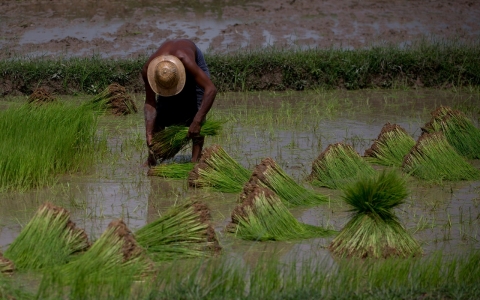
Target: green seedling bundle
x,y
172,170
458,129
262,216
6,265
434,159
218,171
49,239
184,231
374,230
337,166
168,142
390,147
113,98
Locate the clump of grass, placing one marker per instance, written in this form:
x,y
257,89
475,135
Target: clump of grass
x,y
269,174
391,146
40,142
262,216
40,96
184,231
172,170
6,265
458,129
374,230
50,238
168,142
337,166
113,98
111,264
434,159
218,171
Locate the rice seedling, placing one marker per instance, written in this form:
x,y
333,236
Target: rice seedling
x,y
184,231
337,166
390,147
269,174
458,129
434,159
39,142
262,216
218,171
171,140
6,265
172,170
115,253
50,238
374,230
40,96
113,98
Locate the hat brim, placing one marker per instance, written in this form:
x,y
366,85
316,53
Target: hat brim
x,y
162,91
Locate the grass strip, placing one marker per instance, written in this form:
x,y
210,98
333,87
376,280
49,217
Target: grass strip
x,y
172,170
269,174
39,142
374,230
184,231
168,142
338,166
390,147
262,216
218,171
50,238
458,129
113,98
434,159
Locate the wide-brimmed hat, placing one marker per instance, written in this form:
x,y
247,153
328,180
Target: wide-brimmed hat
x,y
166,75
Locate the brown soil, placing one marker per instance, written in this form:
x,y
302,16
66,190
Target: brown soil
x,y
130,247
41,95
248,197
120,28
375,148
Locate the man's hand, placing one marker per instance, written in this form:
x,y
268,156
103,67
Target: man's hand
x,y
194,129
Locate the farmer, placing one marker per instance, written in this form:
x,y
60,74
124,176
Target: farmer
x,y
178,92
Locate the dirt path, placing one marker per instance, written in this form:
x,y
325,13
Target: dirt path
x,y
121,28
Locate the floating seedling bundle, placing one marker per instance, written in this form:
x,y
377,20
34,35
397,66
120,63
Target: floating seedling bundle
x,y
114,98
434,159
458,129
391,146
218,171
262,216
40,96
6,265
338,166
172,170
269,174
374,230
184,231
173,139
49,239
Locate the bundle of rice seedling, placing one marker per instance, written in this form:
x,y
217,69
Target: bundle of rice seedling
x,y
49,239
391,146
115,99
459,130
40,96
338,166
173,139
172,170
184,231
434,159
262,216
6,265
374,230
269,174
218,171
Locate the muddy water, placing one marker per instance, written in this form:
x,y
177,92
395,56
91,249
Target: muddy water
x,y
292,128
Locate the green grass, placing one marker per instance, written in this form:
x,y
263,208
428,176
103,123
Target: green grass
x,y
390,147
172,170
434,159
338,166
38,143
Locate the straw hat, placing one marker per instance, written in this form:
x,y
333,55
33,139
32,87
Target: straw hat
x,y
166,75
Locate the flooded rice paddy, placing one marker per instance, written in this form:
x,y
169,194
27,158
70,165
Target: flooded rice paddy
x,y
293,128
